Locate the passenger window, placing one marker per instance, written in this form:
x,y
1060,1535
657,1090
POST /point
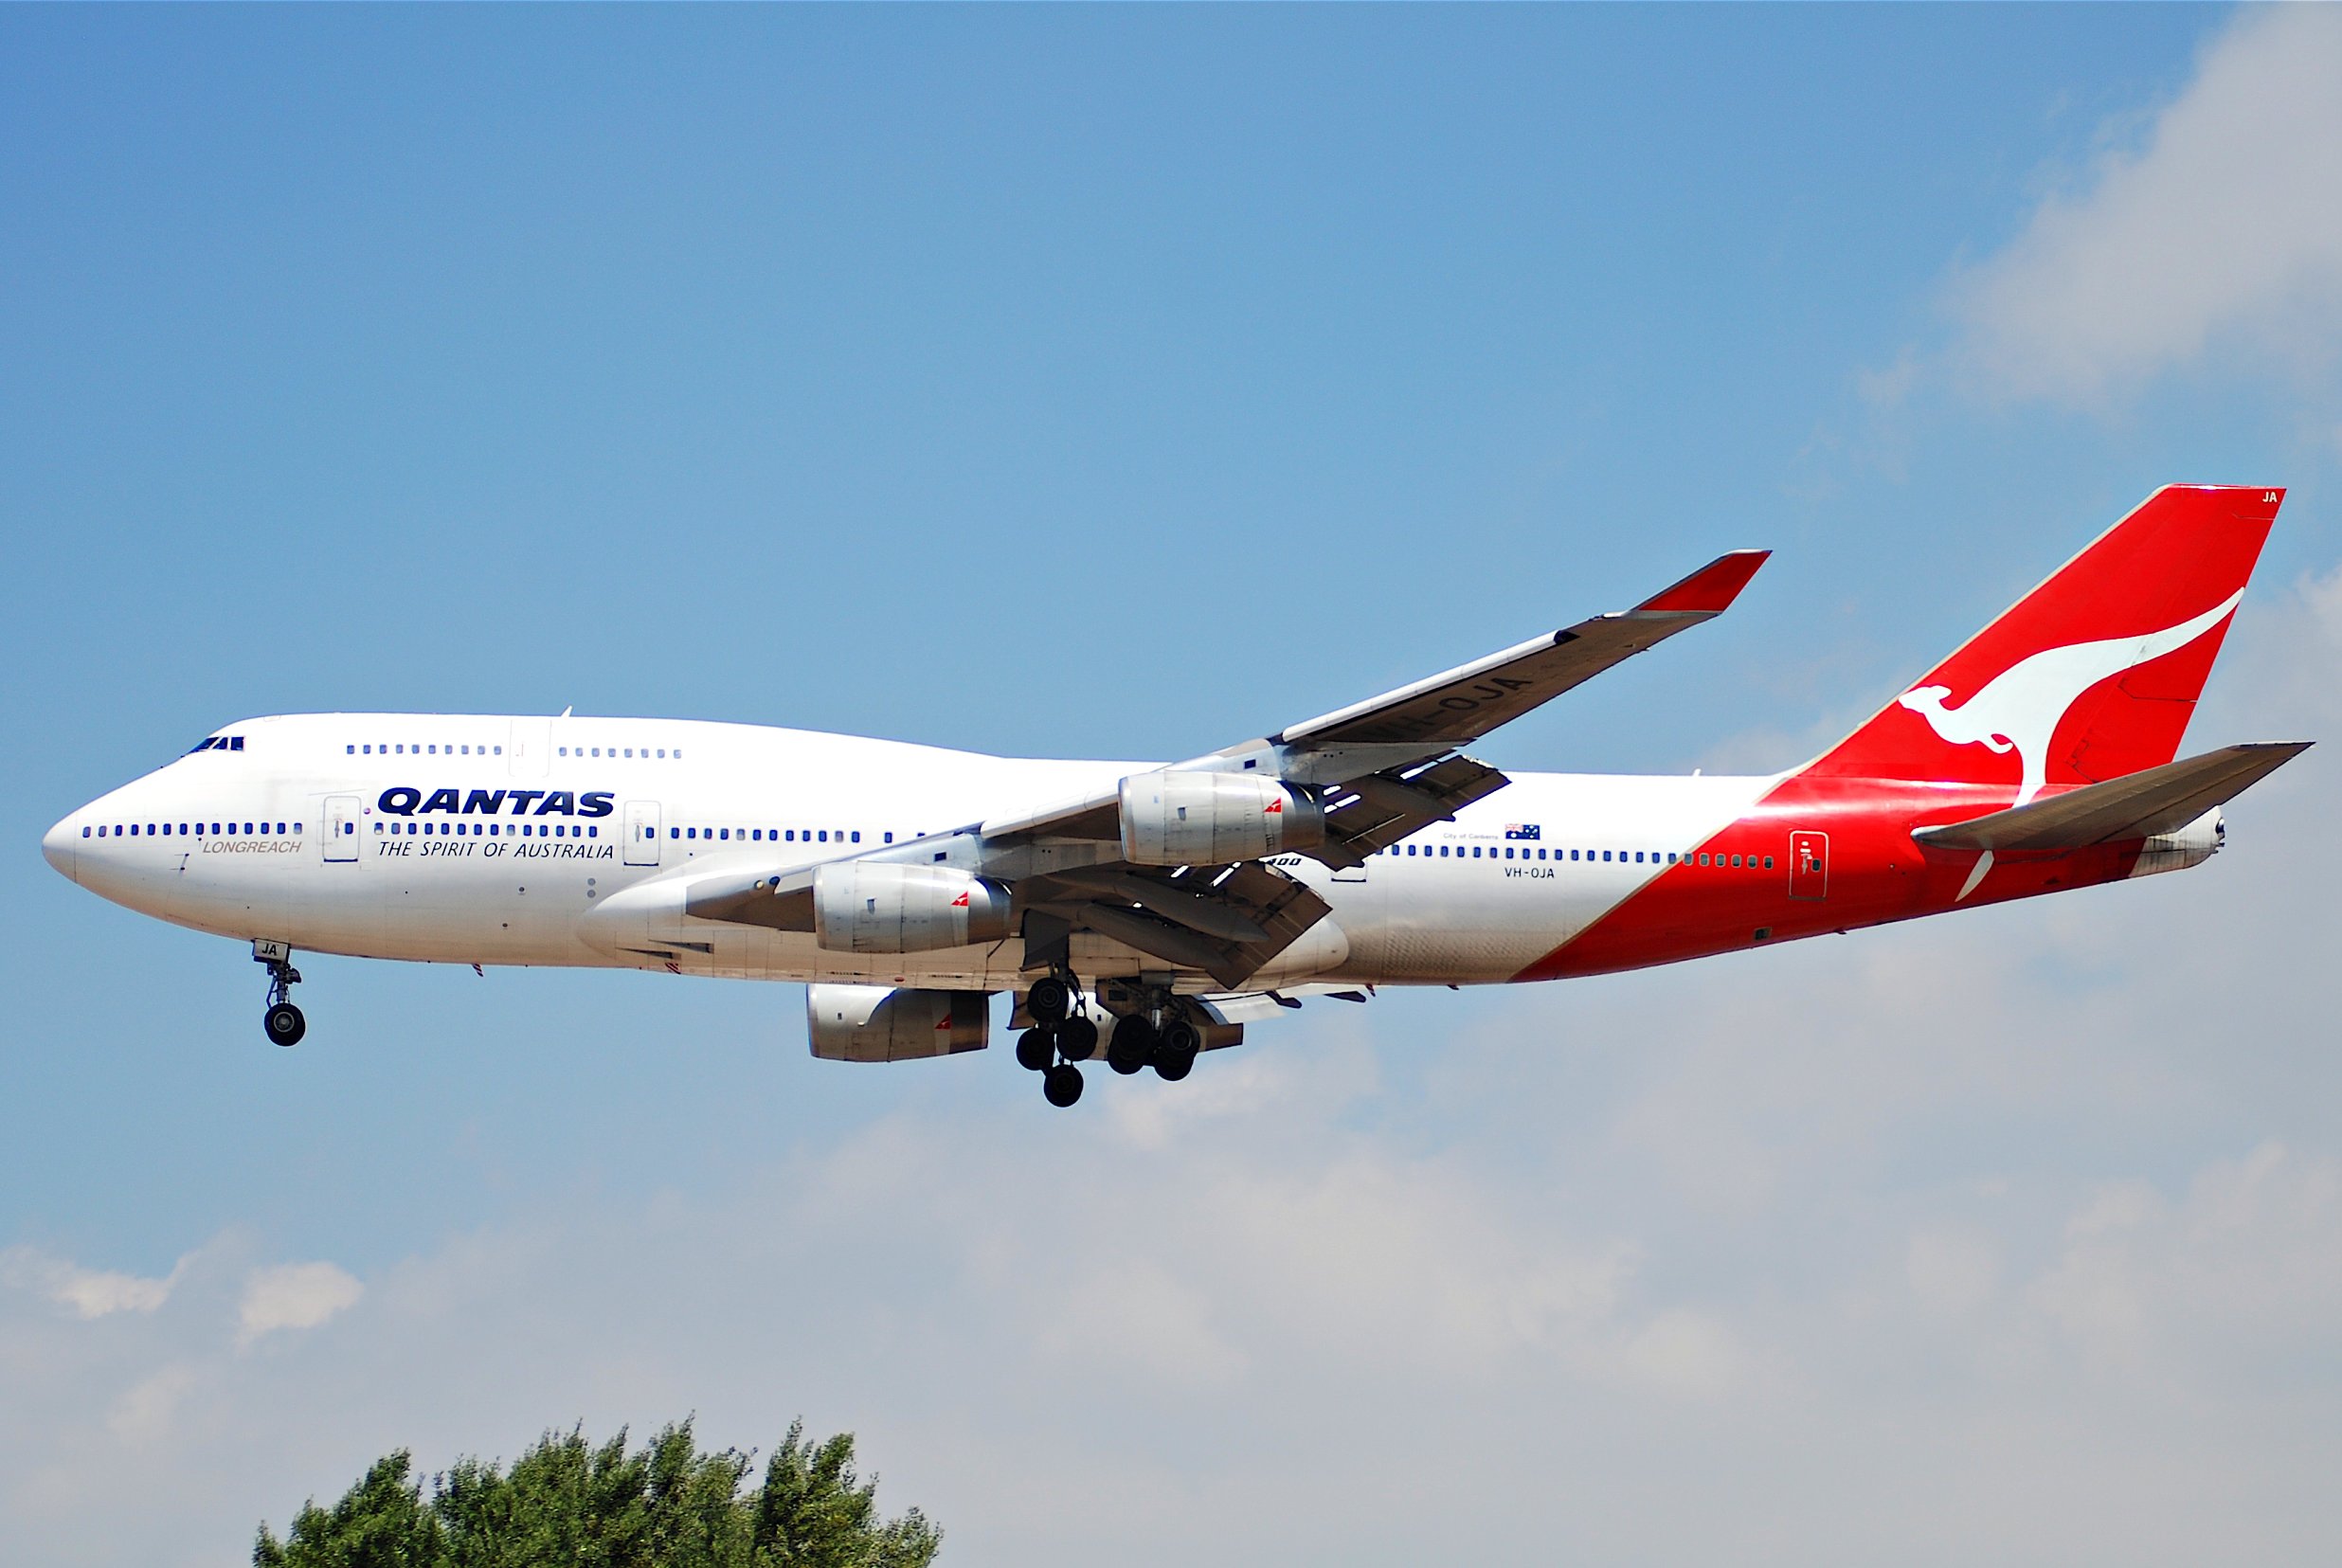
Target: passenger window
x,y
890,838
1768,862
350,750
725,833
675,832
858,835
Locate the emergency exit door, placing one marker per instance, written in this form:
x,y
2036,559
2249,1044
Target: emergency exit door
x,y
1809,865
641,832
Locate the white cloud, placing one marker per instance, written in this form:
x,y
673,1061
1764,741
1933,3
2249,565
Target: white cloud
x,y
2254,1250
90,1292
294,1295
1952,1269
2217,235
142,1415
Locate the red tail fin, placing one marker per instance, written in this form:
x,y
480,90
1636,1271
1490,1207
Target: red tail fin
x,y
2091,676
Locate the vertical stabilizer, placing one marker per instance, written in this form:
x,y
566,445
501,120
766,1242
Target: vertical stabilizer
x,y
2093,674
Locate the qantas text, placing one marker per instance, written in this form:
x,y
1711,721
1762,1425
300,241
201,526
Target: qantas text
x,y
404,802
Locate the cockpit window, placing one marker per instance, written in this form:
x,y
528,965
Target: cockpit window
x,y
217,743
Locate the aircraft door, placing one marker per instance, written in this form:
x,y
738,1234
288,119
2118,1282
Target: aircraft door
x,y
1809,865
341,827
641,832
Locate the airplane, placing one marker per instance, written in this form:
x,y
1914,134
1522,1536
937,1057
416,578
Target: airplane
x,y
1151,912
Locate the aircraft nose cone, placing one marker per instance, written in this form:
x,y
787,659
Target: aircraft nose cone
x,y
60,848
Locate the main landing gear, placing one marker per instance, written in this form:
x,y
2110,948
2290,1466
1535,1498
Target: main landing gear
x,y
1061,1036
282,1021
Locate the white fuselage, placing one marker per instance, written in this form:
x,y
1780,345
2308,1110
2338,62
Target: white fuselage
x,y
574,841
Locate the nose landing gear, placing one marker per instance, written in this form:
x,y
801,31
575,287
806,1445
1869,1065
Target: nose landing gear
x,y
282,1022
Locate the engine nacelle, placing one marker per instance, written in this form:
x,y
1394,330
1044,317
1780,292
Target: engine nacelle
x,y
859,907
1210,819
878,1023
2183,847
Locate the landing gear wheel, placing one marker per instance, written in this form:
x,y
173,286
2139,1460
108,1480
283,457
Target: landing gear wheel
x,y
1035,1050
1171,1066
1048,1001
1179,1038
284,1023
1062,1084
1077,1039
1133,1045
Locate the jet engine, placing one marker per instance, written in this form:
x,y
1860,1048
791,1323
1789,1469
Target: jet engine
x,y
2183,847
859,907
1210,818
876,1023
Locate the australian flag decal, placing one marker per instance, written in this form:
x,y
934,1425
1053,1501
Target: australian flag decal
x,y
1524,830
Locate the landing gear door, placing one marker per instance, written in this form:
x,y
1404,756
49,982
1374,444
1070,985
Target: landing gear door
x,y
341,827
642,832
1809,865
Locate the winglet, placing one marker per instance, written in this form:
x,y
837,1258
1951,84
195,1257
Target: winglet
x,y
1711,589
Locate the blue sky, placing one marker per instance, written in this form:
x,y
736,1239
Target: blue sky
x,y
1123,383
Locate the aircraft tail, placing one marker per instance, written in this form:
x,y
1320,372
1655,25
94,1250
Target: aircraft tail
x,y
2092,676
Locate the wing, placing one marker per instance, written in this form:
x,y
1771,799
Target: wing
x,y
1378,771
1461,705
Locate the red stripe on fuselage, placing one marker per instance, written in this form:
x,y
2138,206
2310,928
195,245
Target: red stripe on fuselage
x,y
1875,874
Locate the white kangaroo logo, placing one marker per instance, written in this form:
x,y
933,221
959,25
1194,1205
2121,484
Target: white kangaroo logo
x,y
2022,708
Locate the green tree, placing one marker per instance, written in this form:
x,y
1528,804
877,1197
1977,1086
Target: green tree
x,y
569,1502
380,1522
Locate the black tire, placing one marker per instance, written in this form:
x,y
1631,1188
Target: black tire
x,y
1077,1039
1035,1050
284,1023
1180,1039
1062,1085
1133,1045
1171,1066
1049,1002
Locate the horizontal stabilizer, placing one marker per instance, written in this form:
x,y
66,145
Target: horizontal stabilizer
x,y
2137,806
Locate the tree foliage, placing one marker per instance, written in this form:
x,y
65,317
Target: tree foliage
x,y
569,1503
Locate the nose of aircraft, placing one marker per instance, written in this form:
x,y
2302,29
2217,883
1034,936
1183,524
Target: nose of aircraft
x,y
57,847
